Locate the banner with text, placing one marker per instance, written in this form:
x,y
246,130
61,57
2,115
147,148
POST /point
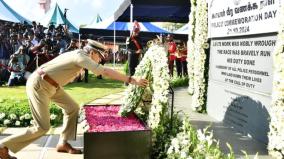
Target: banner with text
x,y
242,17
245,63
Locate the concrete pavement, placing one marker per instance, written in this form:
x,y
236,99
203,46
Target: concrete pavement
x,y
44,148
224,134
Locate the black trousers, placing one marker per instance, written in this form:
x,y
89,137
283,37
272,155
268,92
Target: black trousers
x,y
179,67
133,60
86,75
171,67
184,68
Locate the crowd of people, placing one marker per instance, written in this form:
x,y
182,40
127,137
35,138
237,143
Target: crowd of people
x,y
24,47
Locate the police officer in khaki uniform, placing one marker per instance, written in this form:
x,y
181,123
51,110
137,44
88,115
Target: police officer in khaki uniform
x,y
46,84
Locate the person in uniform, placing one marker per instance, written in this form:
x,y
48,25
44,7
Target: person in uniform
x,y
183,60
178,60
171,53
46,84
135,49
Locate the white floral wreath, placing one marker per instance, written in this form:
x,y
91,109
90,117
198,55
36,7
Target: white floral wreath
x,y
154,67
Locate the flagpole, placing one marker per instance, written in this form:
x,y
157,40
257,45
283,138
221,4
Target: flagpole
x,y
114,48
79,41
131,15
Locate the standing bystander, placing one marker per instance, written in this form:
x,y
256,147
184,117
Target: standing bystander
x,y
135,49
171,53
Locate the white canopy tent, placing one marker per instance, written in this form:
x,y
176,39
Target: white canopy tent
x,y
183,30
8,14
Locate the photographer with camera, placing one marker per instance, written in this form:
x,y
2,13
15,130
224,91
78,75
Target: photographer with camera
x,y
17,70
61,44
72,45
48,41
14,42
23,58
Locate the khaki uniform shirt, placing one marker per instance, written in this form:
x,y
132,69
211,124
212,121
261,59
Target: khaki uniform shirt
x,y
65,67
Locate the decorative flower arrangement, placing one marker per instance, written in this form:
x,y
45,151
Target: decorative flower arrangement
x,y
190,144
154,67
133,94
200,43
14,120
18,121
16,113
106,119
190,47
161,79
2,116
276,134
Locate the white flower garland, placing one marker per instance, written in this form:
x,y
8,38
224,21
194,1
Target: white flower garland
x,y
154,64
190,48
161,80
133,93
276,134
200,42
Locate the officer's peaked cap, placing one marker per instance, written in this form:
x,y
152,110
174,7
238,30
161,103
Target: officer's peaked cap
x,y
98,46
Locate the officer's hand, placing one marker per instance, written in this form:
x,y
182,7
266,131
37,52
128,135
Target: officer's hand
x,y
138,51
139,81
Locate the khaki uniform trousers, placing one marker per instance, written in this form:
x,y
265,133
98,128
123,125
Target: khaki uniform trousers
x,y
40,93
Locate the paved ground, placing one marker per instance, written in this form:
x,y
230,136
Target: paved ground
x,y
44,148
222,133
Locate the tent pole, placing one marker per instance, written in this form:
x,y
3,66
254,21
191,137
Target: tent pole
x,y
114,48
131,24
131,17
131,13
79,41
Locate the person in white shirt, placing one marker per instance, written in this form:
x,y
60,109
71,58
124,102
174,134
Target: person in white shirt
x,y
17,69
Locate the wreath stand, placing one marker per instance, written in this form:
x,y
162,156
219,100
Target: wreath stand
x,y
172,93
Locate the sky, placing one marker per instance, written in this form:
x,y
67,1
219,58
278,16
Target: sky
x,y
79,12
